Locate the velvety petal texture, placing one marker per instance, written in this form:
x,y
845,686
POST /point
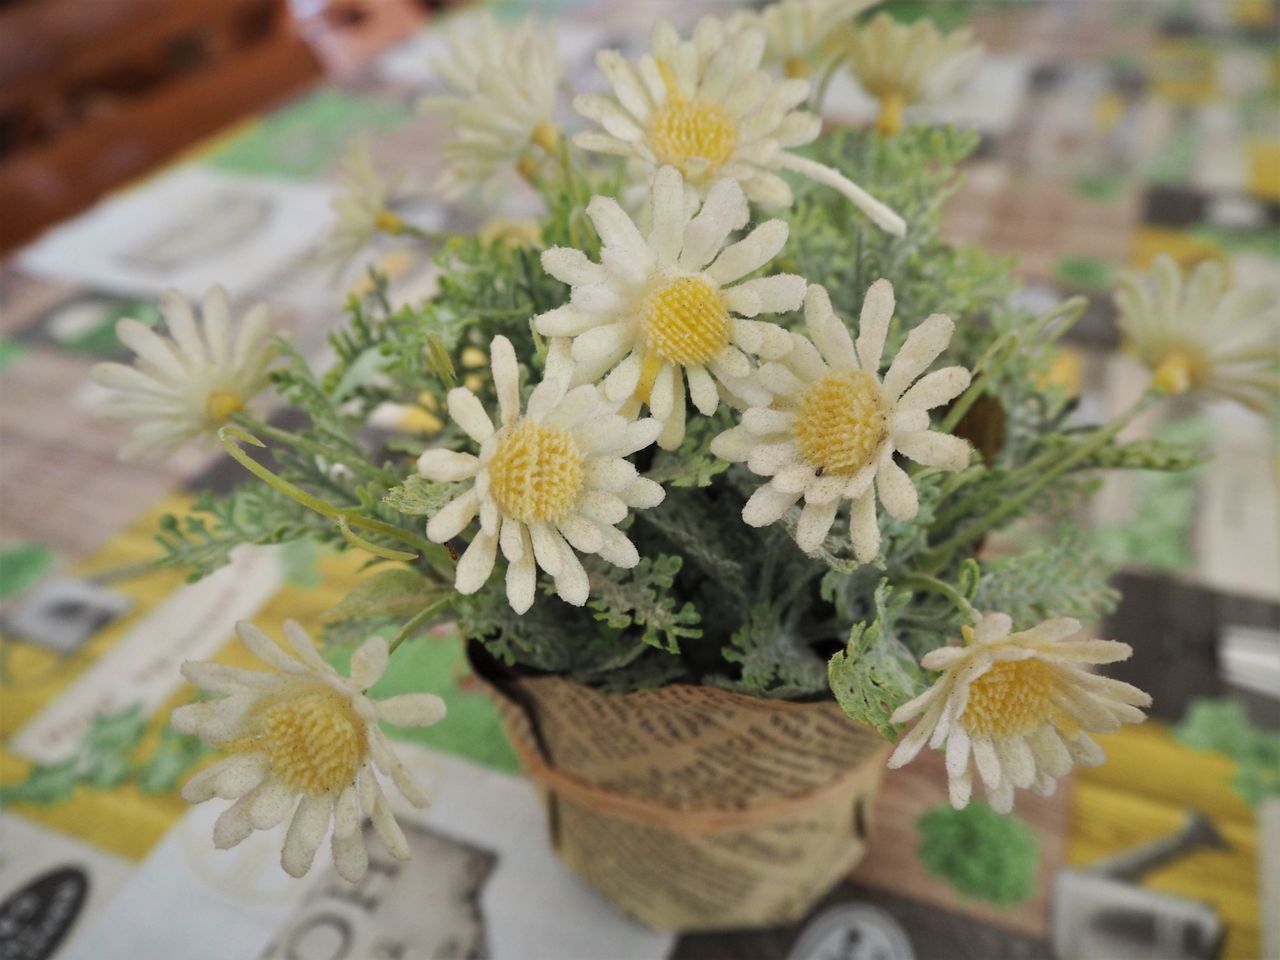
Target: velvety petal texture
x,y
185,386
831,427
708,107
302,746
548,483
1017,708
666,319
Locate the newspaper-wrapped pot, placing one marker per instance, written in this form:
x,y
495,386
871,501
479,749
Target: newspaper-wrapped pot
x,y
694,808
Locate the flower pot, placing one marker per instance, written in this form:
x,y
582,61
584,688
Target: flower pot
x,y
693,808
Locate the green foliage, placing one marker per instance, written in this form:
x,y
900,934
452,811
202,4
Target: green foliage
x,y
417,497
876,673
980,853
1061,579
1222,725
775,661
398,592
713,601
641,598
106,757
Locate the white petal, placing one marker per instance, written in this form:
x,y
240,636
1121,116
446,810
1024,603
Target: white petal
x,y
476,563
935,389
864,531
369,662
468,412
750,253
935,449
921,348
873,324
411,709
506,377
702,390
522,578
815,523
897,492
447,466
767,505
306,831
451,519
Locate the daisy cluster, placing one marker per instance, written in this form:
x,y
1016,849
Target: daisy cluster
x,y
674,331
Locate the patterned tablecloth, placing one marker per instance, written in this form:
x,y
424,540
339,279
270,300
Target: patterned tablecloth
x,y
1111,131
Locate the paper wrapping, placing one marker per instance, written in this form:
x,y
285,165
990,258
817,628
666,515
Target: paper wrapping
x,y
694,808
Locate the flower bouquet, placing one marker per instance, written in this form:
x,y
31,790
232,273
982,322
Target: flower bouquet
x,y
710,495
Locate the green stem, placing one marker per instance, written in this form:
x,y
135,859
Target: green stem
x,y
307,445
937,557
416,621
934,585
228,435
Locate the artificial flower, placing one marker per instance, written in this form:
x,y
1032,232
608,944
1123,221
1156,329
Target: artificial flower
x,y
361,208
1200,335
796,30
303,743
1017,706
833,426
902,64
185,386
661,310
705,107
547,482
504,82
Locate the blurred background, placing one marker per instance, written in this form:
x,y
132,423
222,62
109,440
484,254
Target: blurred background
x,y
146,144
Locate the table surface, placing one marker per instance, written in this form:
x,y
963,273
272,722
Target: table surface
x,y
1110,132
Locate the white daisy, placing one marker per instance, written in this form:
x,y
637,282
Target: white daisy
x,y
832,429
902,64
361,208
661,310
796,30
1018,706
546,482
705,107
504,82
187,385
303,743
1200,335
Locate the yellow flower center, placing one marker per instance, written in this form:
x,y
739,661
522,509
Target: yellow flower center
x,y
1180,369
686,321
684,130
388,222
315,743
220,405
536,473
1010,699
841,423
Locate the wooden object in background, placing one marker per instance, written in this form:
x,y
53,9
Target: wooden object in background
x,y
95,94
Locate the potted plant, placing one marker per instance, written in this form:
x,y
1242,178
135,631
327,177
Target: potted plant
x,y
704,501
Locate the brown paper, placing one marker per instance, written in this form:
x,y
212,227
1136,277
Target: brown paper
x,y
694,808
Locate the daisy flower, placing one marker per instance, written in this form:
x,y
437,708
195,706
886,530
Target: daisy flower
x,y
504,84
705,107
547,482
362,209
661,310
185,386
1017,706
1198,335
902,64
795,30
303,743
831,431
